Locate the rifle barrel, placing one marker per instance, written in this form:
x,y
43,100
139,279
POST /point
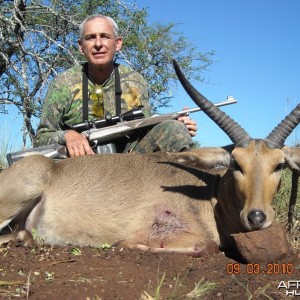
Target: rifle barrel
x,y
230,100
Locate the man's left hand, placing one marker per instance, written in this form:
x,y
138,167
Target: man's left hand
x,y
189,123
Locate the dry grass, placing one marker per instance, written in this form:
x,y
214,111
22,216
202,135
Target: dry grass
x,y
202,288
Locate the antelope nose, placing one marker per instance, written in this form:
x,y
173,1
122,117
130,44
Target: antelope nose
x,y
256,219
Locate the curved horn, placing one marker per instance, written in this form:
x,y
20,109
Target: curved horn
x,y
279,134
234,131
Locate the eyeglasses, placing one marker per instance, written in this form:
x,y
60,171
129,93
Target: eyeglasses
x,y
97,98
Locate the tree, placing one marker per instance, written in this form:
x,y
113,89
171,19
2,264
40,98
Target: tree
x,y
38,39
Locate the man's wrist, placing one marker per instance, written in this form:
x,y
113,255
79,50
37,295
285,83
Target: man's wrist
x,y
62,137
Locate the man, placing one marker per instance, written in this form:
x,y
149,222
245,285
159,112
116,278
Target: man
x,y
65,103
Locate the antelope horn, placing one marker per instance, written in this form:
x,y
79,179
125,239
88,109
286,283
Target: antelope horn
x,y
279,134
234,131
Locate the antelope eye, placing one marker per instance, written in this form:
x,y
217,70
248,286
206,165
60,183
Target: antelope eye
x,y
235,166
279,167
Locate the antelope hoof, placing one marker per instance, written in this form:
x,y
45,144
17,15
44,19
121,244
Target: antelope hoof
x,y
23,235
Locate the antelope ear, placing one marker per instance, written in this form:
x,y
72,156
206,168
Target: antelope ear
x,y
292,157
203,158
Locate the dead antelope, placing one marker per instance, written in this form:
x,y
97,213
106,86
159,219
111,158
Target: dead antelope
x,y
173,202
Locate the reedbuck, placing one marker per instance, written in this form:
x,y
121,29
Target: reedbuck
x,y
172,202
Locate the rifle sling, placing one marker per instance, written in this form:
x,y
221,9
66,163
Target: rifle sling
x,y
118,91
85,92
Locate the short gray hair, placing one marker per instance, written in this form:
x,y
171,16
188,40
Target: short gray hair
x,y
112,21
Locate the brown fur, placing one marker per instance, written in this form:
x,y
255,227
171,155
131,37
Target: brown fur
x,y
178,202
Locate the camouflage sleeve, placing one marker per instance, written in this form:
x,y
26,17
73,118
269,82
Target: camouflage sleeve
x,y
49,130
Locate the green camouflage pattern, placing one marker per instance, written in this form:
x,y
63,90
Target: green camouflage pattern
x,y
63,103
63,107
170,135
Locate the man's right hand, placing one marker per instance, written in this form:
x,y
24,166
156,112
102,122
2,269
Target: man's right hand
x,y
77,144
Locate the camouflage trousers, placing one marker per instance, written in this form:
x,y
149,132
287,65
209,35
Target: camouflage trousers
x,y
170,135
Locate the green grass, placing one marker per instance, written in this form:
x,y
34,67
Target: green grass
x,y
281,206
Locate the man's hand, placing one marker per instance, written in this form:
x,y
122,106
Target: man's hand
x,y
77,144
190,124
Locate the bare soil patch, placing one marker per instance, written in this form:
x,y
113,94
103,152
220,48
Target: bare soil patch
x,y
44,272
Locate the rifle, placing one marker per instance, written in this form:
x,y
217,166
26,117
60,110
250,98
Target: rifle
x,y
102,131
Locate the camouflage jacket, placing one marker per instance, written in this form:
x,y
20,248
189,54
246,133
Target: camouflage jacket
x,y
63,102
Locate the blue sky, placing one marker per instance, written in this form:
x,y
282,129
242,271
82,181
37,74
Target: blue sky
x,y
257,61
257,46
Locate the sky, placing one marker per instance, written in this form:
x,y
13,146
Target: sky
x,y
257,46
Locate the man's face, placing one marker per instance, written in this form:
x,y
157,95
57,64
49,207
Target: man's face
x,y
99,43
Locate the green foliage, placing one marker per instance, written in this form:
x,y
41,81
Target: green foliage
x,y
36,237
76,251
104,246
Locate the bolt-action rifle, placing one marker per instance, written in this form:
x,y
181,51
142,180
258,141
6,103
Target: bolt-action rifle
x,y
101,133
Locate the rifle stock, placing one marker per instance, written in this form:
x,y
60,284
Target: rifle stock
x,y
107,134
55,151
